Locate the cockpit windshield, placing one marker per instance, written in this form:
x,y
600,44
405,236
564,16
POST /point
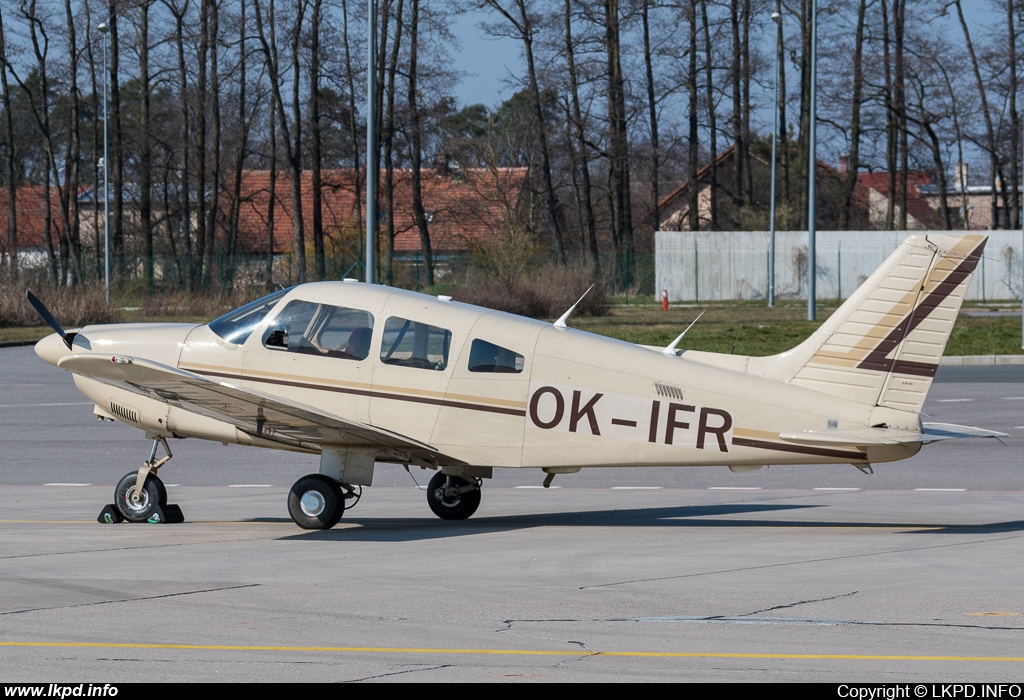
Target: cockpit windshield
x,y
236,326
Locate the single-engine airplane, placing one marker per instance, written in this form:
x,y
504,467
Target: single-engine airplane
x,y
361,374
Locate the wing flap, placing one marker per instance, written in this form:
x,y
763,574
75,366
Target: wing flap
x,y
253,412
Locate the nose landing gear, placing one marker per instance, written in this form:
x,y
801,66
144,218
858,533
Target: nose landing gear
x,y
141,497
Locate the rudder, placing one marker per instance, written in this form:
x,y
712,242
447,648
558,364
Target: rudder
x,y
883,345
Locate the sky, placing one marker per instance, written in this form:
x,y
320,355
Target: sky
x,y
487,62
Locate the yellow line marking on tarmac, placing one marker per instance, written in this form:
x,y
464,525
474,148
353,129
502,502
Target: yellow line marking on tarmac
x,y
507,652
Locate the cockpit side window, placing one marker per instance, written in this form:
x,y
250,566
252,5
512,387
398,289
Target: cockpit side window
x,y
488,357
236,326
413,344
311,328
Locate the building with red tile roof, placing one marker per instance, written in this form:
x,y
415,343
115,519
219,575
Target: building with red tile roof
x,y
464,207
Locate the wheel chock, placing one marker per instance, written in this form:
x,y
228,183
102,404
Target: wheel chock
x,y
169,513
109,515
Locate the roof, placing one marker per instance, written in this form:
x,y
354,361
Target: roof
x,y
463,207
917,207
723,157
30,206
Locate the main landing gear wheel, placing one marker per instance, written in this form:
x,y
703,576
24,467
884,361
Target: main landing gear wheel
x,y
154,494
452,497
316,502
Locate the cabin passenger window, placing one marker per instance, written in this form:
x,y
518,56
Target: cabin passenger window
x,y
488,357
414,344
311,328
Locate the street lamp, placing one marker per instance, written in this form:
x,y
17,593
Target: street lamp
x,y
777,18
812,169
371,142
104,30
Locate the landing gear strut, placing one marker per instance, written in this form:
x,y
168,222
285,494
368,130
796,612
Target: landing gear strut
x,y
141,496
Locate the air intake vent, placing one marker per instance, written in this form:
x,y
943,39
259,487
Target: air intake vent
x,y
668,390
124,413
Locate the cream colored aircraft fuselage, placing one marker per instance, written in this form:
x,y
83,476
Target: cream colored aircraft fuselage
x,y
363,374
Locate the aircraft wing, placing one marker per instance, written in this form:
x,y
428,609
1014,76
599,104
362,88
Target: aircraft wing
x,y
253,412
866,437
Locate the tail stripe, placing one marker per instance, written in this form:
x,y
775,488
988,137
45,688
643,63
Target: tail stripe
x,y
877,359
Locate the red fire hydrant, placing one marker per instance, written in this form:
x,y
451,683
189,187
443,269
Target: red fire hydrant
x,y
664,300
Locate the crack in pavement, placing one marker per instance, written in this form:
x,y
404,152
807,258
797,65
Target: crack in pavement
x,y
746,619
132,600
797,563
397,673
801,602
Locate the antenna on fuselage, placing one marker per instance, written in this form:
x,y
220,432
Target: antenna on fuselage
x,y
671,349
560,323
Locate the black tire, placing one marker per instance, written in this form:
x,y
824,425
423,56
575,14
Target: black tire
x,y
316,502
148,502
160,488
458,508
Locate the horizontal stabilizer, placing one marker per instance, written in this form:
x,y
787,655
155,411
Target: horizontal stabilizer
x,y
866,437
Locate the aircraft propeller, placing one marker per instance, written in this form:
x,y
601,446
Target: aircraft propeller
x,y
48,317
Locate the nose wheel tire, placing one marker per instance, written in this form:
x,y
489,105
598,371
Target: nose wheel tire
x,y
452,506
316,502
154,494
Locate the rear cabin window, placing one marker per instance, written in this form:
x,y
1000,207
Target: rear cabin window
x,y
413,344
311,328
488,357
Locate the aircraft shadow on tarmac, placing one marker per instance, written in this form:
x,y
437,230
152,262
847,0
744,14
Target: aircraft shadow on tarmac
x,y
410,529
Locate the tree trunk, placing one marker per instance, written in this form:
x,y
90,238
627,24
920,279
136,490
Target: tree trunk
x,y
693,153
117,238
416,136
712,115
315,149
352,125
618,151
12,189
891,145
652,105
1011,62
581,143
388,143
850,178
215,144
145,164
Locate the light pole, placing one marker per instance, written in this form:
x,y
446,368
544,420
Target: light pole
x,y
104,30
371,142
812,169
777,18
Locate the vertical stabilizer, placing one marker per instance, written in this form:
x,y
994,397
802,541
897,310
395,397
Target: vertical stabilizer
x,y
883,345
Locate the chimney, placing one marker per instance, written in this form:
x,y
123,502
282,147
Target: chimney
x,y
844,163
961,176
441,164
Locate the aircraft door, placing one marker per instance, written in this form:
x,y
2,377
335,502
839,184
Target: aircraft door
x,y
485,405
411,368
315,353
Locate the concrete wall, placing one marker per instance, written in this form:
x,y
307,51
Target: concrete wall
x,y
734,264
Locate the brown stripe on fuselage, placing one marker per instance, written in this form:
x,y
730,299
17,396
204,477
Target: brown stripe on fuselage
x,y
877,360
373,394
799,449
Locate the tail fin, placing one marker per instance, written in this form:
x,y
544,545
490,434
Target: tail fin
x,y
883,345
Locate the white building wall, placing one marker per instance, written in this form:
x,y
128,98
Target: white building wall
x,y
707,266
